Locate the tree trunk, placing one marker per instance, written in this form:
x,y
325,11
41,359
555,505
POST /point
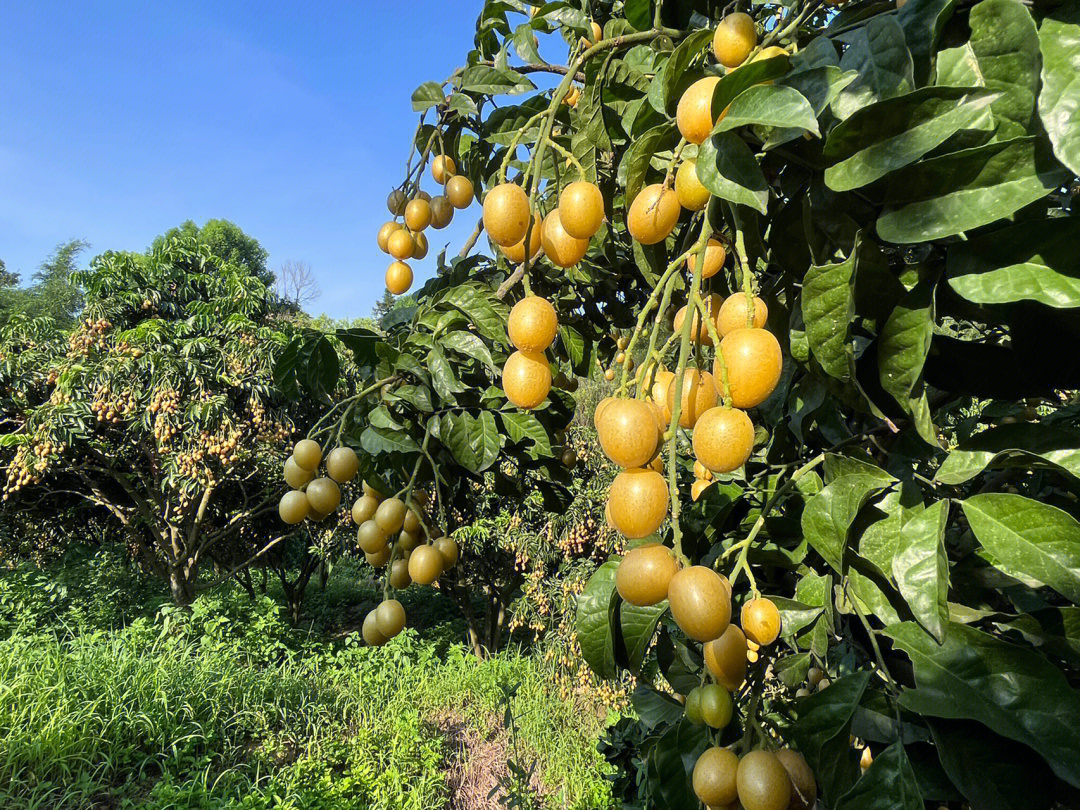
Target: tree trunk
x,y
181,586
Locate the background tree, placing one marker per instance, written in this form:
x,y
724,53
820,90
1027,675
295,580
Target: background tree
x,y
52,293
295,282
227,241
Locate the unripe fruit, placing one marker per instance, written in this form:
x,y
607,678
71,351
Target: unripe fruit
x,y
763,782
398,278
370,631
516,252
761,621
733,314
526,379
295,475
725,657
324,495
307,454
459,190
385,232
396,202
723,439
443,168
400,245
620,358
390,617
418,214
698,395
293,506
627,432
693,196
370,537
754,362
716,705
442,212
342,464
653,214
399,575
562,249
639,502
814,676
391,515
609,374
420,248
533,324
448,550
568,458
715,777
506,214
644,573
714,255
425,565
700,602
581,209
363,509
694,114
803,785
735,37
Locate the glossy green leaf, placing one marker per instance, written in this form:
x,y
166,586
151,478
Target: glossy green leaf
x,y
1055,630
821,733
954,193
1028,539
1059,101
595,615
634,167
736,82
880,540
878,53
888,135
771,106
469,345
377,440
671,761
923,22
638,626
1012,445
1035,261
728,169
655,708
667,86
427,95
1014,691
921,568
888,784
487,313
474,441
492,81
522,426
820,85
828,308
792,669
902,351
828,516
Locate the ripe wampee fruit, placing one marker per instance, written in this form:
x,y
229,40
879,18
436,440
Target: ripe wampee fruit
x,y
627,432
443,168
459,190
307,454
714,257
363,509
725,657
694,114
295,475
692,194
442,212
733,314
370,630
698,395
763,782
723,439
506,214
699,333
644,573
562,249
803,784
700,602
370,537
516,252
581,209
714,777
420,246
396,202
735,37
638,501
754,362
390,515
533,324
425,565
526,378
399,278
448,551
761,621
401,245
653,214
342,464
293,506
324,495
385,232
390,618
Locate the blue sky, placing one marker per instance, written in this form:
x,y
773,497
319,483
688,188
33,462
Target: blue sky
x,y
119,120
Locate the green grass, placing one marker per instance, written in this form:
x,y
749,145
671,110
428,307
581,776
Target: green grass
x,y
227,706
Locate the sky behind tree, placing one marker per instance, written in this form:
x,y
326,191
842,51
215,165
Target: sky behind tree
x,y
121,120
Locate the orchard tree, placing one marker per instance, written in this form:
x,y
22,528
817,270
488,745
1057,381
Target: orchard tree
x,y
826,254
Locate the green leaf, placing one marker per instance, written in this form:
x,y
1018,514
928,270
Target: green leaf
x,y
821,733
521,426
634,167
880,540
443,378
792,669
671,761
1028,539
595,615
427,95
321,369
957,192
922,22
638,626
491,81
1035,261
667,86
487,313
1059,101
902,351
655,708
828,309
1015,692
728,169
771,106
470,345
473,441
377,440
828,515
1013,445
921,568
886,136
888,784
878,53
735,82
820,85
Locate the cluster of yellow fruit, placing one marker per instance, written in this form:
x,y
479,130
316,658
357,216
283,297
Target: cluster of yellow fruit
x,y
531,327
564,233
311,497
406,240
621,358
759,780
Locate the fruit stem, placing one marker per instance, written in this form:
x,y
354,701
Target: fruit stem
x,y
747,274
711,326
569,156
512,148
674,162
780,33
893,688
317,429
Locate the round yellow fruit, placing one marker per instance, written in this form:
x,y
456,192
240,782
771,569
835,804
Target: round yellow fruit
x,y
526,378
418,214
363,509
390,617
562,249
295,475
442,212
399,575
293,506
448,550
653,214
459,190
761,621
324,495
723,439
370,631
693,196
425,565
735,37
390,515
342,464
697,489
532,324
396,202
506,214
763,782
700,602
638,501
370,537
644,573
627,432
715,255
307,454
754,362
725,657
443,168
694,114
699,333
385,232
803,784
733,314
516,252
714,777
399,278
581,209
420,248
400,245
698,395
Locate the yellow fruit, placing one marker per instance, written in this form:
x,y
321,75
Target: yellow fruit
x,y
408,540
698,395
295,475
733,314
714,260
516,252
370,631
581,209
307,454
694,114
725,657
644,573
396,202
597,35
398,278
723,439
803,785
533,324
573,95
385,232
342,464
324,495
390,617
390,515
761,621
699,333
421,246
400,245
370,490
562,249
412,522
763,782
459,190
601,407
363,509
715,775
442,212
627,432
379,558
448,550
661,382
418,214
506,214
735,37
293,506
754,362
526,378
702,472
693,196
697,489
769,53
609,374
653,214
700,602
425,565
370,537
639,502
443,168
399,575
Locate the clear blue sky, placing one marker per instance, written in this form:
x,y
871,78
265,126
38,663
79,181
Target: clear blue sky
x,y
119,120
